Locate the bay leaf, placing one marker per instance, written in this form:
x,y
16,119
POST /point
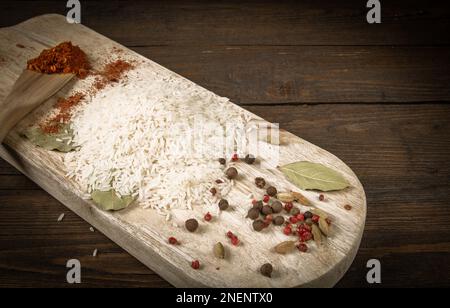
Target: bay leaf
x,y
308,175
51,142
110,200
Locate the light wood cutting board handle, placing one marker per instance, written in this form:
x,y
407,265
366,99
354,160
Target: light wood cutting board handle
x,y
29,91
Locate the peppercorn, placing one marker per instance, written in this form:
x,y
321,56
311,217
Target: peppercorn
x,y
191,225
222,161
302,247
223,204
258,225
277,207
348,207
235,157
271,191
231,173
249,159
267,209
195,264
213,191
260,182
278,221
258,205
253,213
295,211
266,198
266,270
208,216
321,197
173,241
308,215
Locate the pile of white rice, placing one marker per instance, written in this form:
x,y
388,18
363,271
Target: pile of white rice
x,y
137,138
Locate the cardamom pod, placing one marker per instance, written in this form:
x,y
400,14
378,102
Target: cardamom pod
x,y
324,227
285,247
219,250
298,197
285,197
316,234
320,213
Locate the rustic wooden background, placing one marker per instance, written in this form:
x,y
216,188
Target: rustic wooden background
x,y
375,95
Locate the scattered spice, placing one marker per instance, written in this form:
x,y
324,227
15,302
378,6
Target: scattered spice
x,y
285,247
191,225
231,173
278,220
253,213
219,251
287,230
249,159
317,235
285,197
271,191
298,197
20,45
348,207
315,218
260,182
266,198
308,215
235,157
258,205
324,226
302,247
112,72
173,241
222,161
295,211
277,207
208,216
288,206
219,181
62,59
213,191
267,209
234,239
223,204
321,197
266,270
258,225
195,264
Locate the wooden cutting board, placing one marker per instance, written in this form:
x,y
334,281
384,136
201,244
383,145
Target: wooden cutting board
x,y
142,232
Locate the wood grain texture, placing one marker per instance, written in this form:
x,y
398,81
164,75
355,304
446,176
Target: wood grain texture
x,y
144,234
405,179
194,23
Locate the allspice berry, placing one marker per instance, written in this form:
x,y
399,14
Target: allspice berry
x,y
191,225
258,205
249,159
277,207
267,209
278,221
231,173
266,270
253,213
222,161
260,182
223,204
271,191
258,225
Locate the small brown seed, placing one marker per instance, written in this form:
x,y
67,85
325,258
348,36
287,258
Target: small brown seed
x,y
348,207
219,250
266,270
249,159
213,191
271,191
277,206
231,173
258,205
260,182
266,210
222,161
258,225
253,213
191,225
278,221
223,204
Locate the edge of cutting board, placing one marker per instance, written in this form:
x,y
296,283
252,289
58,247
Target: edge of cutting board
x,y
34,163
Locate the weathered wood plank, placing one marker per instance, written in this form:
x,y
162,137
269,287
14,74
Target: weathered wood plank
x,y
196,23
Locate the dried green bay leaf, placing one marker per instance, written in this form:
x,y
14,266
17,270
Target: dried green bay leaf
x,y
307,175
52,142
110,200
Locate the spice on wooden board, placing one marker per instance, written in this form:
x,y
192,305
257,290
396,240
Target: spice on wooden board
x,y
20,45
62,59
112,72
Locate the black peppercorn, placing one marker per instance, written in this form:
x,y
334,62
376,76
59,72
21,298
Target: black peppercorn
x,y
191,224
222,161
266,270
249,159
271,191
277,207
258,225
308,214
223,204
253,213
260,182
278,221
231,173
266,210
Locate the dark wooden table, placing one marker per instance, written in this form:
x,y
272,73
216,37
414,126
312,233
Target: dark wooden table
x,y
375,95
